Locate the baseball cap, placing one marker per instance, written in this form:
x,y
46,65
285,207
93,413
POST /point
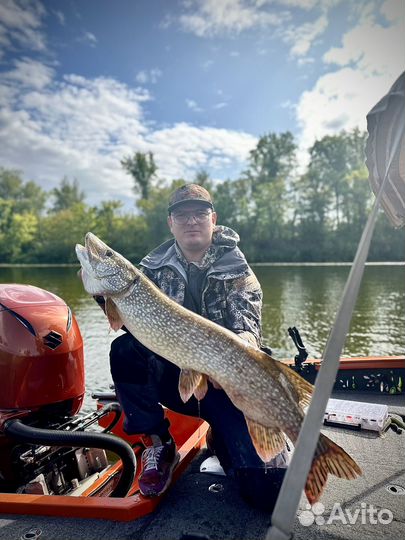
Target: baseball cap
x,y
189,193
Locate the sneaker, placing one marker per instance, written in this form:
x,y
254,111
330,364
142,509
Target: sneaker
x,y
158,463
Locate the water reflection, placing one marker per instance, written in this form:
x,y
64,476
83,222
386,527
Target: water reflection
x,y
305,297
308,298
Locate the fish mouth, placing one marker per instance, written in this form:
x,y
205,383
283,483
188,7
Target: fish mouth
x,y
87,254
86,266
82,254
94,246
91,254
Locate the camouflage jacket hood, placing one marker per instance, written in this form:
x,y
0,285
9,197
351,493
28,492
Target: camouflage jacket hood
x,y
231,294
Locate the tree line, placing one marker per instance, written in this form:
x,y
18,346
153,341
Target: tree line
x,y
280,212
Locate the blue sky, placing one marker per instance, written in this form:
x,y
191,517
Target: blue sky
x,y
196,82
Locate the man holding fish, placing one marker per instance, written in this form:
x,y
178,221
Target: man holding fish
x,y
202,269
193,313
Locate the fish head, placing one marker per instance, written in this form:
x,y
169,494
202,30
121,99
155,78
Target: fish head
x,y
104,272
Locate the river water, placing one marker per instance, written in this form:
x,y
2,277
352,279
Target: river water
x,y
303,296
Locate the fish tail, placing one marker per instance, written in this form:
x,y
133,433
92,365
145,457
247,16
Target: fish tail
x,y
329,458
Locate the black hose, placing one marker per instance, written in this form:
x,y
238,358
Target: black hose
x,y
32,435
115,408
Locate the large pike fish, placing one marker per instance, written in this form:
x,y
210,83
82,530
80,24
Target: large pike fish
x,y
269,393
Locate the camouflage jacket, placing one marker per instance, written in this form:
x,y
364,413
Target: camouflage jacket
x,y
231,293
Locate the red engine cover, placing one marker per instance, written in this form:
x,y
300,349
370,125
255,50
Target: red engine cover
x,y
41,350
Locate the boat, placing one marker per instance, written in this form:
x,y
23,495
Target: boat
x,y
368,375
44,478
50,463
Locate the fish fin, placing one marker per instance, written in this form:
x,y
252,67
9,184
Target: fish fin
x,y
302,387
216,385
113,314
189,381
268,442
329,458
201,389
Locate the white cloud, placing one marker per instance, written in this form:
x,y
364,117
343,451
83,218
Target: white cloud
x,y
77,127
393,10
89,38
206,18
30,73
305,61
302,37
83,127
220,105
191,104
21,24
304,4
149,76
366,64
184,148
142,77
60,16
372,48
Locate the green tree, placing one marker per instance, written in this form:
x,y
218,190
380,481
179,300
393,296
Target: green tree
x,y
10,184
61,231
357,199
25,196
33,199
273,158
334,198
21,204
142,168
17,233
6,217
332,160
154,212
67,195
107,218
231,203
387,244
202,178
129,236
22,233
314,197
269,176
125,233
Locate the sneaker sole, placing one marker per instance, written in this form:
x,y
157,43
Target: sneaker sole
x,y
169,479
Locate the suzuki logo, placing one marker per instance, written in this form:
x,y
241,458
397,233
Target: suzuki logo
x,y
52,340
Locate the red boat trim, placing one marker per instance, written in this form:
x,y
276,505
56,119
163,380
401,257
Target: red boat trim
x,y
368,362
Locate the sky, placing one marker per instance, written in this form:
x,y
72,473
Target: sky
x,y
84,83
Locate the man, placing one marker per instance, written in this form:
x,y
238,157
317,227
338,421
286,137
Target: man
x,y
202,269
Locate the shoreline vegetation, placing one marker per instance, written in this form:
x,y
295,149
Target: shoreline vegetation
x,y
283,216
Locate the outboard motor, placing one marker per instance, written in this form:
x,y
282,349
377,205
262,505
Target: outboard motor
x,y
41,353
44,447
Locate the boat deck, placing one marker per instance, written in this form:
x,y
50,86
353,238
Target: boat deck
x,y
190,508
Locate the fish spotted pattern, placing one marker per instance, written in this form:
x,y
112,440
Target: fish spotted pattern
x,y
269,393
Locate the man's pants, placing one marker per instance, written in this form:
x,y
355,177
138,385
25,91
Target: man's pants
x,y
144,382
